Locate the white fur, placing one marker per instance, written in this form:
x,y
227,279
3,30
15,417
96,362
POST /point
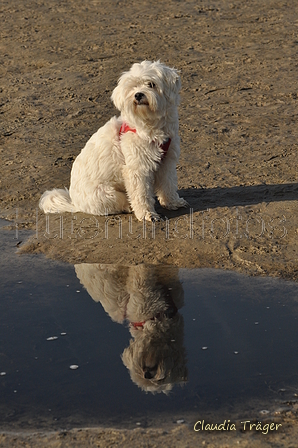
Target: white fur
x,y
141,294
113,175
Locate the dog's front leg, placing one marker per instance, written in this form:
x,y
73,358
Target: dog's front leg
x,y
140,190
166,185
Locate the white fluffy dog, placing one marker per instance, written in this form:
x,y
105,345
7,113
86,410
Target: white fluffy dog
x,y
133,157
148,298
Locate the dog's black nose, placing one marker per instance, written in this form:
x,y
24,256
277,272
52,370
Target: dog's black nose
x,y
150,372
139,96
148,375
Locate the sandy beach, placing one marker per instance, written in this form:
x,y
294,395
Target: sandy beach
x,y
60,61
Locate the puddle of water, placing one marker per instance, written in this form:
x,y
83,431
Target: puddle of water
x,y
106,345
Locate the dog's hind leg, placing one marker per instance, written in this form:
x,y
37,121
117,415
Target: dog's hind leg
x,y
110,201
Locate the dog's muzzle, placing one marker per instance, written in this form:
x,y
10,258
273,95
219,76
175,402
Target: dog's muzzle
x,y
150,372
141,99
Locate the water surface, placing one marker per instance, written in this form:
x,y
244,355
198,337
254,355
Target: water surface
x,y
146,344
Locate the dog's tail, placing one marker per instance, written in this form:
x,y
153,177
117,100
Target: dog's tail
x,y
56,201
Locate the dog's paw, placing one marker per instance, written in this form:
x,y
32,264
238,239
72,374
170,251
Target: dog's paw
x,y
183,203
148,216
152,217
174,205
127,209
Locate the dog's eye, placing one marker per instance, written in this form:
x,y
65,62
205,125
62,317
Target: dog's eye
x,y
151,84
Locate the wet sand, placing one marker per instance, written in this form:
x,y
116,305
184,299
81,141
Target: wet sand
x,y
180,437
238,167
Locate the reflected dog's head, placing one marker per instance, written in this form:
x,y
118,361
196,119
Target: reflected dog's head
x,y
147,93
156,357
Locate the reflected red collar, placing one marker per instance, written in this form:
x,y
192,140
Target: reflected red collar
x,y
139,324
168,313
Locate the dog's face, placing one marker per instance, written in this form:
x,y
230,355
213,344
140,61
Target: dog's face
x,y
156,357
147,91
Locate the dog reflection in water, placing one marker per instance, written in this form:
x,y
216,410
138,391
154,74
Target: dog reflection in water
x,y
148,298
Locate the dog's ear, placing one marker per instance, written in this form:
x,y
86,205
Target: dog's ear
x,y
173,85
117,97
173,79
127,356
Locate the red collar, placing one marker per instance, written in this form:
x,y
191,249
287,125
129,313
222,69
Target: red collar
x,y
164,146
139,324
169,313
125,128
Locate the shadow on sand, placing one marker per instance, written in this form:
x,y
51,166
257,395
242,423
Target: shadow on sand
x,y
201,199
